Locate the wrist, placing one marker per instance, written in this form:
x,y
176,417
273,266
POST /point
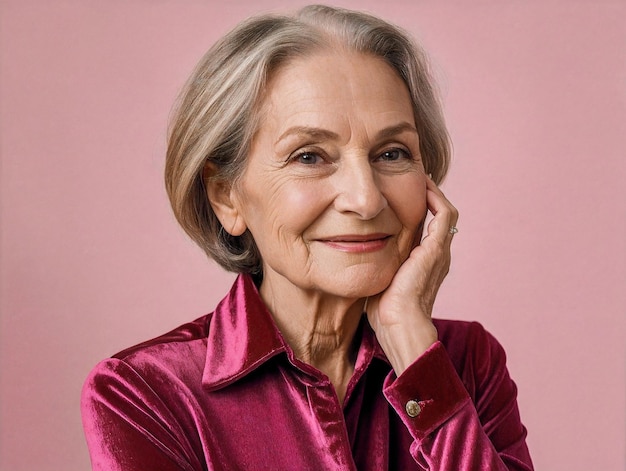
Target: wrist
x,y
404,345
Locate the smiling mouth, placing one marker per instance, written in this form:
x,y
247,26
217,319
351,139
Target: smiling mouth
x,y
354,243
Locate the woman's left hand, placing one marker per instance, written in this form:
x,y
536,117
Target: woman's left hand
x,y
401,315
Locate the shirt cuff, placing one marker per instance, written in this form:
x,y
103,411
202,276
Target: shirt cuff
x,y
427,393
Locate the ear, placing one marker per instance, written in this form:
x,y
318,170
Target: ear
x,y
223,200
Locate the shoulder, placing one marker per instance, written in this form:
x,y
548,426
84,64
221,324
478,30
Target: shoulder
x,y
475,353
180,338
144,401
462,334
178,355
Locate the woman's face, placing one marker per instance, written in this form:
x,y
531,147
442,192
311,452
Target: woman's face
x,y
334,192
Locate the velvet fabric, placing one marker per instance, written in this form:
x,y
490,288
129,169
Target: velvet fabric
x,y
225,392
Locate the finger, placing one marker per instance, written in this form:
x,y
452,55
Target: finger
x,y
441,202
445,215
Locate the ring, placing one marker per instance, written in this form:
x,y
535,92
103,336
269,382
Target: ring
x,y
453,230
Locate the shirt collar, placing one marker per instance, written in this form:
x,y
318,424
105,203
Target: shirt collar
x,y
243,336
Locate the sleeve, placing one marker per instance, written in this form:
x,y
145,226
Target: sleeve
x,y
127,425
452,432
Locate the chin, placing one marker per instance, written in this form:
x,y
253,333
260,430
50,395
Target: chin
x,y
357,282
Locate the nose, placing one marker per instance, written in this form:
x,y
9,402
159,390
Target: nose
x,y
359,189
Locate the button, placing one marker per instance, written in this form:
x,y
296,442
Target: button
x,y
413,408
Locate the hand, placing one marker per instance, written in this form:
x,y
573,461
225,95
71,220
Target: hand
x,y
401,315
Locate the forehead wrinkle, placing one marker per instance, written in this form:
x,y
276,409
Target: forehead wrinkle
x,y
276,112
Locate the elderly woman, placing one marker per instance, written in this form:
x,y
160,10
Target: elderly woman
x,y
305,155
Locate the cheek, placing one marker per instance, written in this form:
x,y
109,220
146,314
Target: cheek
x,y
284,211
410,205
303,203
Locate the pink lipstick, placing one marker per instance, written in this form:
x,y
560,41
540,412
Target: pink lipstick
x,y
355,243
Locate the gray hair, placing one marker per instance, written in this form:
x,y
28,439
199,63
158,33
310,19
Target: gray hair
x,y
217,112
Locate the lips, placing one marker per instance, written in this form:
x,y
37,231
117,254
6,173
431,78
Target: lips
x,y
357,243
356,238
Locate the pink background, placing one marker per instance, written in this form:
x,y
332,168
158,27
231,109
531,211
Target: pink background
x,y
92,260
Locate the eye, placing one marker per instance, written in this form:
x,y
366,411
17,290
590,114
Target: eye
x,y
394,154
306,158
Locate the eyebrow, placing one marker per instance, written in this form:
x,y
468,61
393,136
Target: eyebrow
x,y
316,133
324,134
392,131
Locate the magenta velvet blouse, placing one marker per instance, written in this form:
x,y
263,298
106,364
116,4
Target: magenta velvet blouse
x,y
225,393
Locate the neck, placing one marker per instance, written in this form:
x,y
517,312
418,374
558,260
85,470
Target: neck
x,y
319,328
